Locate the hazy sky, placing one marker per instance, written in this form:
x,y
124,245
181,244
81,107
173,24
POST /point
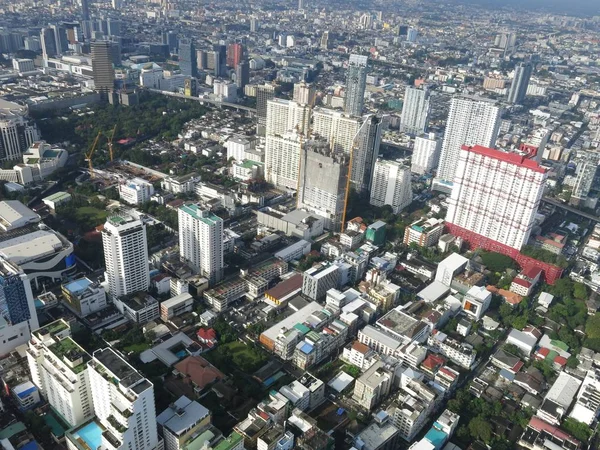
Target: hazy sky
x,y
579,7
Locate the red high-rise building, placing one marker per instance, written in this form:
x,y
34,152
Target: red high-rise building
x,y
235,52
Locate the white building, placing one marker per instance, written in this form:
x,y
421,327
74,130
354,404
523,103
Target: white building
x,y
139,307
237,147
319,279
587,405
123,403
373,386
496,195
426,154
58,367
413,409
17,308
201,241
151,76
181,422
460,353
476,302
16,132
136,191
83,296
470,122
415,110
285,115
282,154
225,91
294,251
125,255
424,232
22,65
176,306
559,398
180,185
359,355
391,185
448,268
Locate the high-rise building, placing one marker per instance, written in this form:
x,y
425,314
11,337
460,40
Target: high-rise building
x,y
304,93
286,115
426,154
471,121
201,241
301,5
202,59
495,195
102,66
282,154
220,59
170,38
322,182
125,255
116,4
60,38
187,58
415,111
85,10
17,132
113,27
242,74
263,95
48,43
17,309
411,35
123,403
391,185
325,40
356,83
518,88
235,53
254,25
586,173
58,367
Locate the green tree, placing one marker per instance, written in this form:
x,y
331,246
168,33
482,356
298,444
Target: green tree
x,y
480,429
580,291
577,429
497,262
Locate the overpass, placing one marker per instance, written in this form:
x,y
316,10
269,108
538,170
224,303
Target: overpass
x,y
202,100
571,209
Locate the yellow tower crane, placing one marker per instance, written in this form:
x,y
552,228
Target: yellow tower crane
x,y
88,156
110,144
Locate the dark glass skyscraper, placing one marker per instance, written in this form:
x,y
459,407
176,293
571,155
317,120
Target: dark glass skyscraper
x,y
187,58
102,65
518,89
356,83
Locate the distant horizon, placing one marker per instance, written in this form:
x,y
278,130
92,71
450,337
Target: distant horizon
x,y
578,8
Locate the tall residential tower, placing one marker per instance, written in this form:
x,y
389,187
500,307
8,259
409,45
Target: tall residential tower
x,y
356,83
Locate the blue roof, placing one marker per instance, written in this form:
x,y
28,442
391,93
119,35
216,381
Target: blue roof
x,y
306,348
78,285
436,436
27,392
31,445
507,375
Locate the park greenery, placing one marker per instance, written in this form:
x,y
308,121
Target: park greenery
x,y
545,256
497,262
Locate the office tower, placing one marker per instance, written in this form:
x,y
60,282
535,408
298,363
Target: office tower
x,y
102,67
60,38
202,59
17,132
48,43
412,34
220,59
263,95
85,10
495,197
116,4
115,53
213,63
325,40
300,5
201,241
33,44
187,58
587,168
113,27
426,154
235,52
356,83
254,25
17,309
123,403
169,38
86,28
506,41
304,93
518,88
281,160
470,122
391,185
242,74
58,367
415,111
125,255
286,115
322,182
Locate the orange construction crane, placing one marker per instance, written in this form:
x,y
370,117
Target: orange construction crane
x,y
88,156
110,144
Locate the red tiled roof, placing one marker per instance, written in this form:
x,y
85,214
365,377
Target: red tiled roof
x,y
522,282
285,288
207,334
517,366
560,360
199,371
433,361
360,347
446,371
531,272
540,425
543,351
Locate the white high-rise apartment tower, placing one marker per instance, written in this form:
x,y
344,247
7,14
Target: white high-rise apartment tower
x,y
282,154
391,185
201,241
285,115
123,402
426,154
304,93
125,255
471,121
58,367
415,111
495,196
356,83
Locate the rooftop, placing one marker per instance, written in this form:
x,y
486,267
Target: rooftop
x,y
127,375
182,415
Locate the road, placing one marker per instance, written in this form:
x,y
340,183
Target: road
x,y
202,100
570,209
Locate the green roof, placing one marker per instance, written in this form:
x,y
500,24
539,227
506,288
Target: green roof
x,y
67,347
559,344
198,213
55,327
229,443
248,164
551,355
302,328
55,426
198,442
58,196
11,430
